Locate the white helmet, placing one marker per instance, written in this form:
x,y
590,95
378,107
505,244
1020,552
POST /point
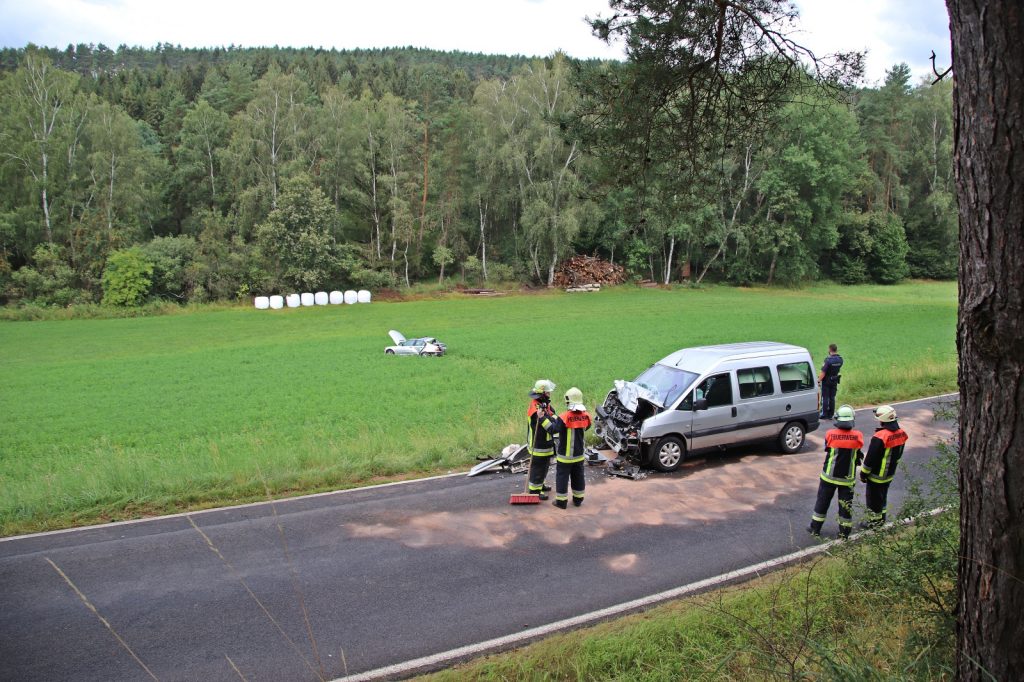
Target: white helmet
x,y
845,417
574,400
543,386
885,413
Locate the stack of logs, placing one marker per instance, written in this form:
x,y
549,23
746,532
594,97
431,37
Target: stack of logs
x,y
586,273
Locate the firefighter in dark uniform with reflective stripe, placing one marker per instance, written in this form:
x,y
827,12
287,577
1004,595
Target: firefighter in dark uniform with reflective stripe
x,y
829,379
880,462
569,429
539,443
843,452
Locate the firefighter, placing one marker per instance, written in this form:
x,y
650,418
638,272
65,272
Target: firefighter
x,y
828,377
880,462
539,443
843,452
568,429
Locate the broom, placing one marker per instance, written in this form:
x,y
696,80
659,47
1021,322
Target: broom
x,y
524,498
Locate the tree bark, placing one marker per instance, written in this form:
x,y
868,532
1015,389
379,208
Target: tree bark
x,y
988,109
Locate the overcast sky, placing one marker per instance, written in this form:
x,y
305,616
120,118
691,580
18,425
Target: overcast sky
x,y
892,31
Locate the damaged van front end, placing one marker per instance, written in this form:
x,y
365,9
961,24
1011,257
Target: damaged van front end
x,y
620,419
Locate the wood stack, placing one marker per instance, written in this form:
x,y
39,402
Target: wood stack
x,y
579,271
481,292
583,288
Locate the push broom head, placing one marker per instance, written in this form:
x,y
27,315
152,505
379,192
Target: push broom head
x,y
524,498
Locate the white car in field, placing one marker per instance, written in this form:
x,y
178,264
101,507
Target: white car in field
x,y
424,345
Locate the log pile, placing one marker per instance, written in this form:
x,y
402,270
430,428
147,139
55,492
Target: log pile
x,y
582,270
583,288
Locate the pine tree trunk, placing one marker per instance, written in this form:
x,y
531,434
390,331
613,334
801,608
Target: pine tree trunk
x,y
988,103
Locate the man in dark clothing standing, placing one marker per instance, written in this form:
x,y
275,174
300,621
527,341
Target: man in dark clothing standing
x,y
829,378
539,442
842,456
879,468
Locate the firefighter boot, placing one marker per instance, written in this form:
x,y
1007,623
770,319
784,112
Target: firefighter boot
x,y
577,501
815,528
561,504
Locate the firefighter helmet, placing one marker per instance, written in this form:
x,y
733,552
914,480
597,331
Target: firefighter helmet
x,y
543,386
844,417
885,413
574,400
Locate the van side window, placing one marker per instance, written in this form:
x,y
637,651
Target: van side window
x,y
795,376
717,390
754,382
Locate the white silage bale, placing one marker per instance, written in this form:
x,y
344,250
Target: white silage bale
x,y
293,301
262,303
351,297
320,298
307,298
337,297
277,302
363,296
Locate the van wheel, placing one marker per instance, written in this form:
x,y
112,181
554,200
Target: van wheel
x,y
669,454
791,439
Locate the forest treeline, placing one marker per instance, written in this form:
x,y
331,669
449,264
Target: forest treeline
x,y
194,175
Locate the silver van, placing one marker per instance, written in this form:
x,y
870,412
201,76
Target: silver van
x,y
711,397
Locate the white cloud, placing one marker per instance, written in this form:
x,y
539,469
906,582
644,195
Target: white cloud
x,y
891,31
528,27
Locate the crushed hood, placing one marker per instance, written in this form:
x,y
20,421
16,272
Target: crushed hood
x,y
630,395
396,336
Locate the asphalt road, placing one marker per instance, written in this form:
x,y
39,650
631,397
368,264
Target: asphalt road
x,y
395,573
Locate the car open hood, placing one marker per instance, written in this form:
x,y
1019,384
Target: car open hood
x,y
396,336
630,395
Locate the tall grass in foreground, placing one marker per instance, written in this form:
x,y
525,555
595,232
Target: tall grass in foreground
x,y
117,418
879,609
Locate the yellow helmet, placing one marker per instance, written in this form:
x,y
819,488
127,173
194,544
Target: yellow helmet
x,y
574,400
844,417
885,413
543,386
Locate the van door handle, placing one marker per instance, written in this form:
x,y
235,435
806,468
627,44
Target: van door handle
x,y
734,410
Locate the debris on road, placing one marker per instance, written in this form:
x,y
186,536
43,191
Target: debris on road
x,y
514,459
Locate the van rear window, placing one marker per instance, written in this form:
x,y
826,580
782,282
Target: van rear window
x,y
754,382
795,376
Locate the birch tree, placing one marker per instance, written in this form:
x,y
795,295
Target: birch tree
x,y
40,122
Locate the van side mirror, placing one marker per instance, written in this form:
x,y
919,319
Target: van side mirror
x,y
700,404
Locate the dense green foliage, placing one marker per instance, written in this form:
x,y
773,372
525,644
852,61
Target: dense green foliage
x,y
112,418
419,164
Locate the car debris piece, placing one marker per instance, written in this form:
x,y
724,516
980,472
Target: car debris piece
x,y
424,345
594,457
514,459
633,473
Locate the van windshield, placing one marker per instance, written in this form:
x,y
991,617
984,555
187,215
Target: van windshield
x,y
668,383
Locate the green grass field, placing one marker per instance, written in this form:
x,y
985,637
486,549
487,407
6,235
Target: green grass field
x,y
111,419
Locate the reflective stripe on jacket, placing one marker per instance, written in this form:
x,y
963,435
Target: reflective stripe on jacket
x,y
842,455
884,453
